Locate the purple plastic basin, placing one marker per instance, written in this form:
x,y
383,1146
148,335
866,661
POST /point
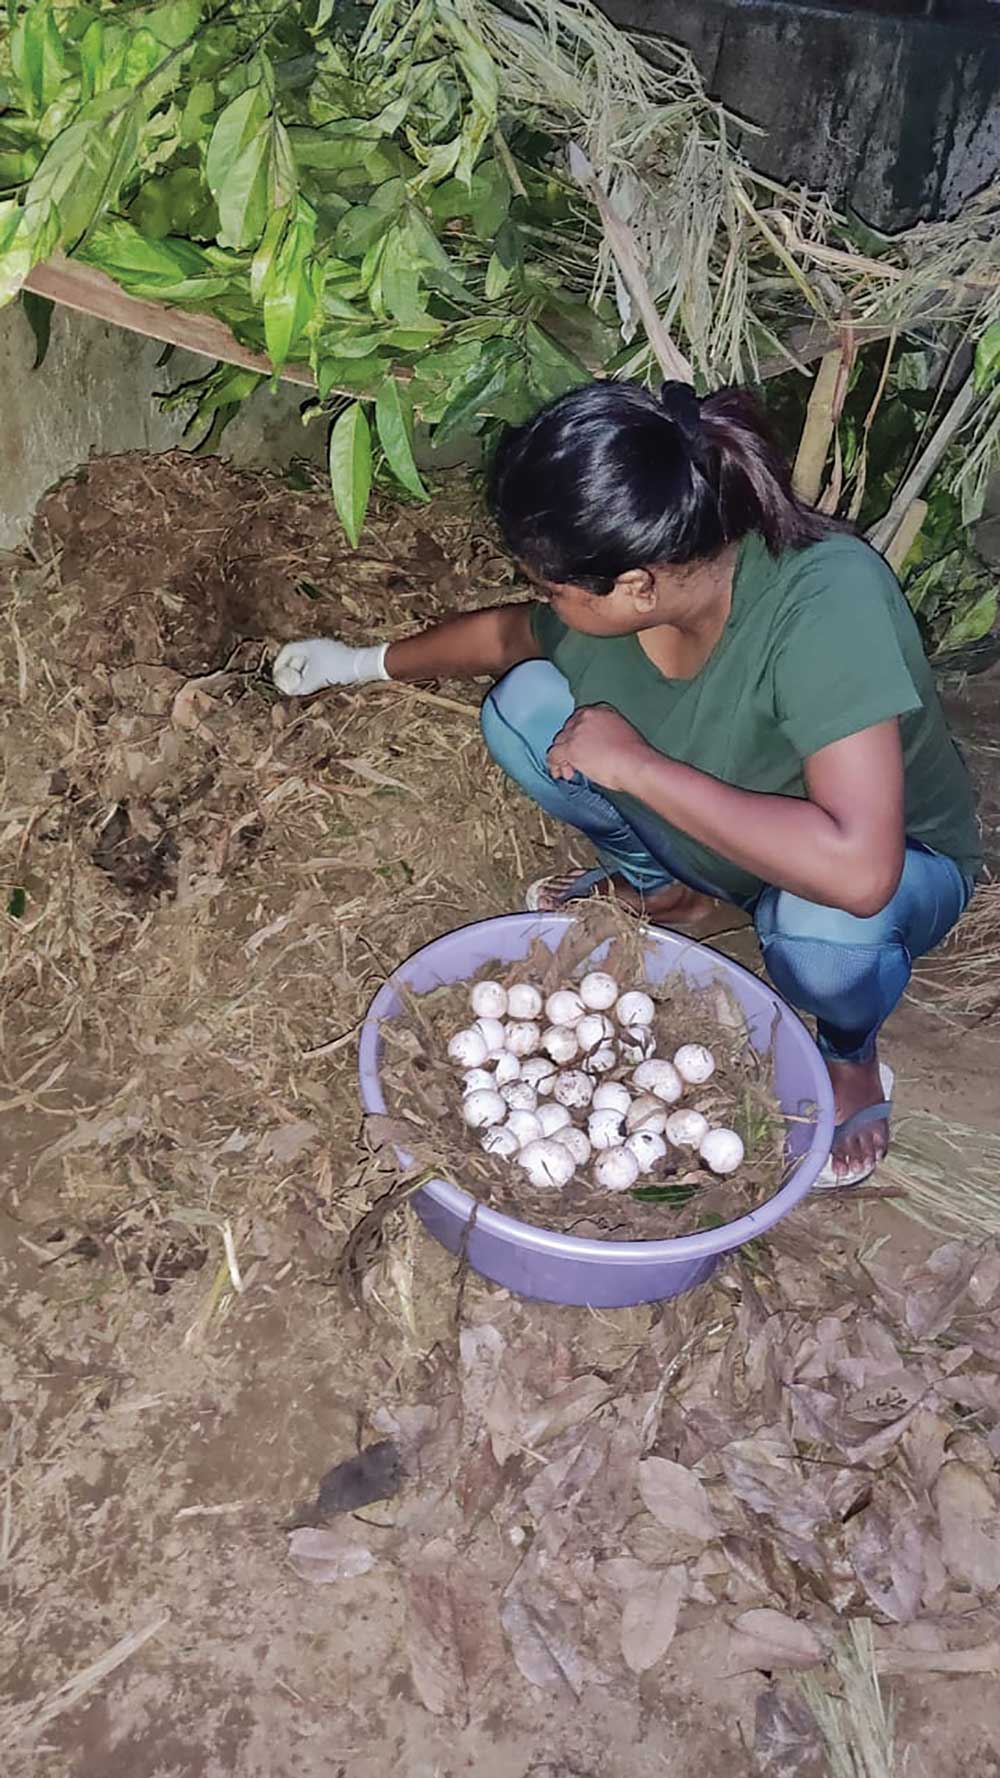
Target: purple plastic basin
x,y
556,1268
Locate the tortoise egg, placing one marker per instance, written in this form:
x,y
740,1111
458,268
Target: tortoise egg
x,y
477,1080
553,1117
559,1041
500,1141
576,1141
598,990
611,1095
521,1038
483,1108
523,1126
603,1059
616,1170
638,1044
506,1067
519,1096
686,1129
646,1113
695,1064
659,1078
606,1128
547,1163
492,1033
523,1001
593,1029
468,1048
541,1073
564,1007
647,1147
573,1088
635,1008
722,1151
488,1000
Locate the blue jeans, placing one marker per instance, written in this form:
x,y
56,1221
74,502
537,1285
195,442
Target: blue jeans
x,y
849,973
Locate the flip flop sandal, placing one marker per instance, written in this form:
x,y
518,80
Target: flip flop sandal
x,y
577,890
828,1180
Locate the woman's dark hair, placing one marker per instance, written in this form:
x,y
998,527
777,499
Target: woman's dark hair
x,y
612,477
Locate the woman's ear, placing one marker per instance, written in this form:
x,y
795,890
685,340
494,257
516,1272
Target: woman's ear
x,y
638,586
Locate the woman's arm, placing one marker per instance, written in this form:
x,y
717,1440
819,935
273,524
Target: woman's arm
x,y
844,846
479,642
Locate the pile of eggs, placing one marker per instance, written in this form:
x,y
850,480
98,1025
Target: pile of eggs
x,y
535,1083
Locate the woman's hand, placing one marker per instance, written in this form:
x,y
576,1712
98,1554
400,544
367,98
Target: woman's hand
x,y
600,745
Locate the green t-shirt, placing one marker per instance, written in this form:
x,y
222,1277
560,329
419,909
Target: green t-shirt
x,y
820,643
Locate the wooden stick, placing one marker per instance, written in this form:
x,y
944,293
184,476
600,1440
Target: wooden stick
x,y
909,530
821,418
881,535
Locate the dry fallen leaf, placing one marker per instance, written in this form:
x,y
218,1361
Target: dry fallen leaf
x,y
786,1739
286,1143
649,1618
967,1520
676,1498
770,1639
576,1402
324,1556
452,1632
543,1652
887,1553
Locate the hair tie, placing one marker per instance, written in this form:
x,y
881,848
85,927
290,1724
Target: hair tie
x,y
683,406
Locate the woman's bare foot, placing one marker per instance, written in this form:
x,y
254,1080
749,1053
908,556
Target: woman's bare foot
x,y
674,903
856,1085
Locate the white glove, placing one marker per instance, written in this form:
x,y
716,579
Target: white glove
x,y
304,667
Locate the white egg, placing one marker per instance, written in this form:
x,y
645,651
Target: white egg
x,y
635,1008
547,1163
603,1059
659,1078
647,1113
524,1127
502,1142
492,1033
686,1129
612,1095
521,1038
722,1151
599,991
488,1000
577,1143
468,1048
573,1088
523,1001
477,1080
553,1117
616,1170
606,1129
694,1063
483,1108
638,1044
519,1096
541,1073
506,1067
564,1007
559,1042
593,1029
648,1148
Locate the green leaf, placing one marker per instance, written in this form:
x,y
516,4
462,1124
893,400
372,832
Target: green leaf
x,y
358,230
351,469
237,125
174,23
474,391
83,168
490,196
38,314
263,259
401,281
283,180
17,901
554,370
394,422
987,363
198,108
37,57
972,624
498,276
24,240
289,287
242,197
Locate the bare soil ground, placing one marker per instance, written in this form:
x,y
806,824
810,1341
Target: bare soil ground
x,y
620,1537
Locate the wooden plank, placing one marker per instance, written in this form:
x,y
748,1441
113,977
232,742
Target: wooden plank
x,y
81,287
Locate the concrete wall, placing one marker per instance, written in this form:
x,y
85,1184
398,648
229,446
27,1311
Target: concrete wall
x,y
898,117
95,393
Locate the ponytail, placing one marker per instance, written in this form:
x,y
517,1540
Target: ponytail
x,y
612,477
